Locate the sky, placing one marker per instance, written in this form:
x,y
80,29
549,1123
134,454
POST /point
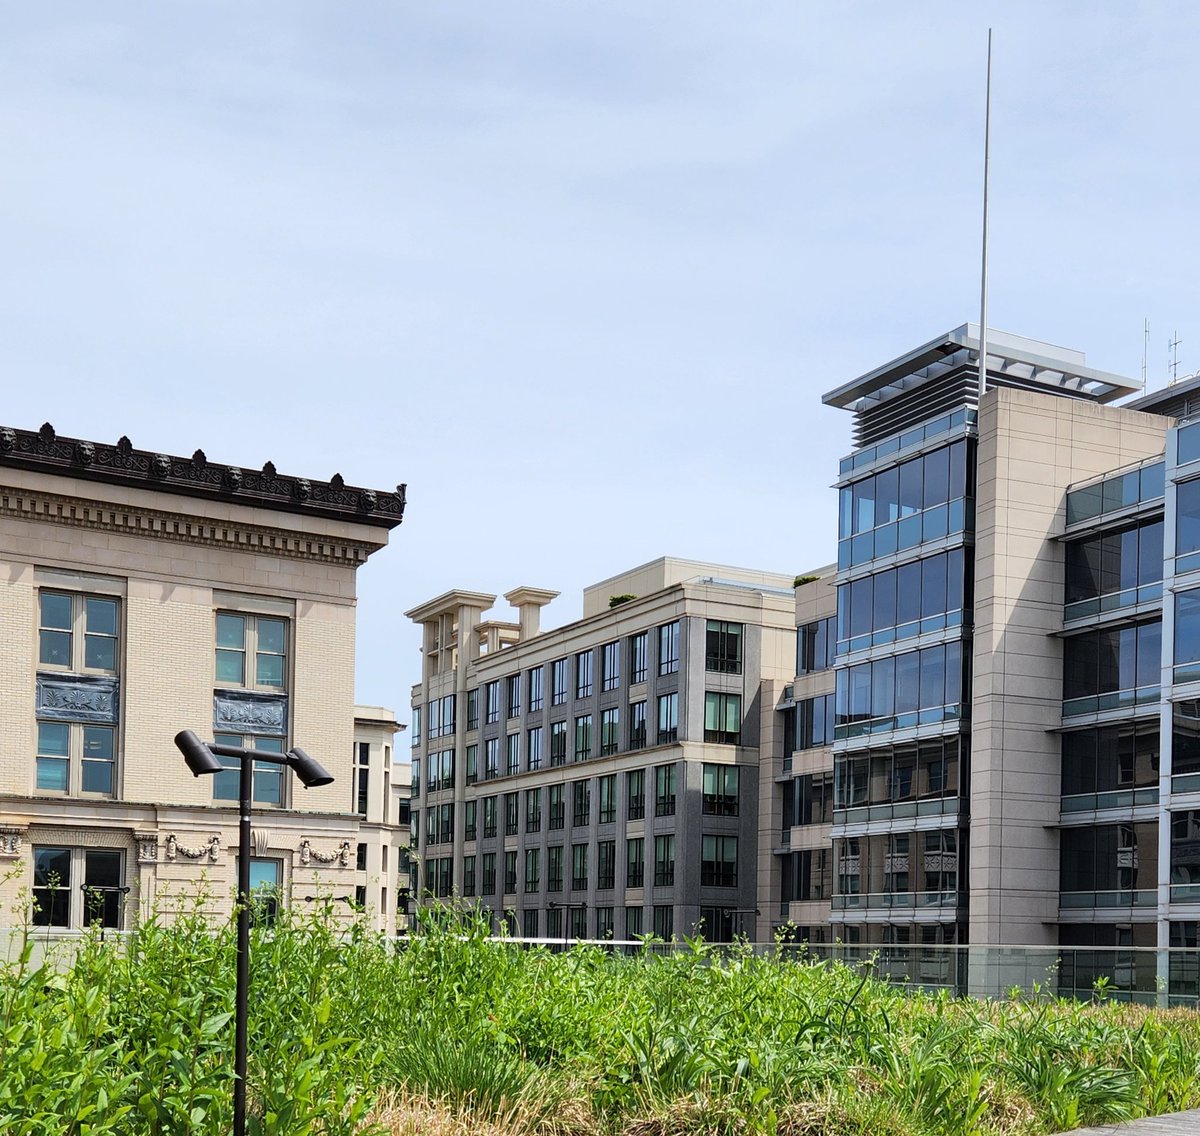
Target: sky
x,y
577,273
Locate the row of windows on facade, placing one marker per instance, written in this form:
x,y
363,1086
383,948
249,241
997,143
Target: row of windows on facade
x,y
720,797
723,654
577,921
722,726
81,634
1124,857
718,867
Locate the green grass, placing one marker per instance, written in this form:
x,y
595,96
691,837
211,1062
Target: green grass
x,y
457,1034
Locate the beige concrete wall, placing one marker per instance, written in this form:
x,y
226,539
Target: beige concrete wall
x,y
1031,447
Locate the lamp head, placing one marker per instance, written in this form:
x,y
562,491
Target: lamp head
x,y
199,757
311,772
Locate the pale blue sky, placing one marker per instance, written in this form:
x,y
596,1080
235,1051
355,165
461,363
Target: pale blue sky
x,y
591,261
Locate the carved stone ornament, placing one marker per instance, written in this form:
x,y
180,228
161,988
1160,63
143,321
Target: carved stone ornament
x,y
340,855
248,712
78,698
212,849
10,841
147,847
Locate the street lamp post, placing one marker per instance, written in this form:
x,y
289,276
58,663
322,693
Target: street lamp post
x,y
202,758
741,913
554,905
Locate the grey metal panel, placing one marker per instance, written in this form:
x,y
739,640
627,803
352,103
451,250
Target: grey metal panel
x,y
78,698
249,712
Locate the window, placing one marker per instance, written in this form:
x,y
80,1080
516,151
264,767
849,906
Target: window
x,y
512,764
723,718
529,922
535,689
446,824
577,918
469,874
637,725
816,645
558,682
266,889
635,793
668,648
664,860
510,872
472,764
470,811
583,674
941,861
664,790
491,758
664,922
1187,636
815,721
75,758
608,798
361,781
77,887
441,717
488,882
267,786
554,867
582,797
610,666
723,647
491,694
583,737
416,726
720,797
513,695
251,651
637,657
414,828
558,743
606,865
1098,664
533,810
512,814
919,686
610,731
579,867
77,632
633,922
604,922
557,807
473,709
718,861
489,817
635,862
1113,562
533,747
668,718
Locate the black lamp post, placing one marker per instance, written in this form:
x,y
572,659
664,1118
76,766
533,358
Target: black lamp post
x,y
554,905
201,758
741,913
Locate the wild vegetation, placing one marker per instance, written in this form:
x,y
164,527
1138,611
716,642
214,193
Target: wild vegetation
x,y
454,1034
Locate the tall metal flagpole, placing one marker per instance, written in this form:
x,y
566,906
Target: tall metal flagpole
x,y
983,286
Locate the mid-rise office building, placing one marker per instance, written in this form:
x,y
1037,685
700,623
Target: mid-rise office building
x,y
602,779
142,594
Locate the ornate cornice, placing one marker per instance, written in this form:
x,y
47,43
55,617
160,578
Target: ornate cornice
x,y
29,505
44,451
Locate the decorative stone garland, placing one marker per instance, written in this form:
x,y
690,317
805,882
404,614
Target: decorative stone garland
x,y
212,849
340,855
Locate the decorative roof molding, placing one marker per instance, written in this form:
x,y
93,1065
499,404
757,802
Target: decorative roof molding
x,y
44,451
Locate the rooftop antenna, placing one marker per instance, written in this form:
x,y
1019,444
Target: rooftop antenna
x,y
983,284
1145,349
1173,361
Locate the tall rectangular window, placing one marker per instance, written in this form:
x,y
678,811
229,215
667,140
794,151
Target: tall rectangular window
x,y
557,806
633,922
533,810
267,785
608,798
720,795
468,875
251,651
583,737
558,743
473,709
637,656
606,865
610,666
512,763
491,702
472,764
664,860
535,689
637,725
610,731
723,718
604,922
664,922
664,790
362,777
512,814
558,682
533,870
510,871
533,746
554,867
579,867
718,861
75,758
635,862
582,795
489,817
470,812
635,793
78,887
723,647
512,699
78,632
668,718
491,758
668,648
583,674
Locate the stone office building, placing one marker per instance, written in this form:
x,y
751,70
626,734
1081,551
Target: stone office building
x,y
602,779
142,594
